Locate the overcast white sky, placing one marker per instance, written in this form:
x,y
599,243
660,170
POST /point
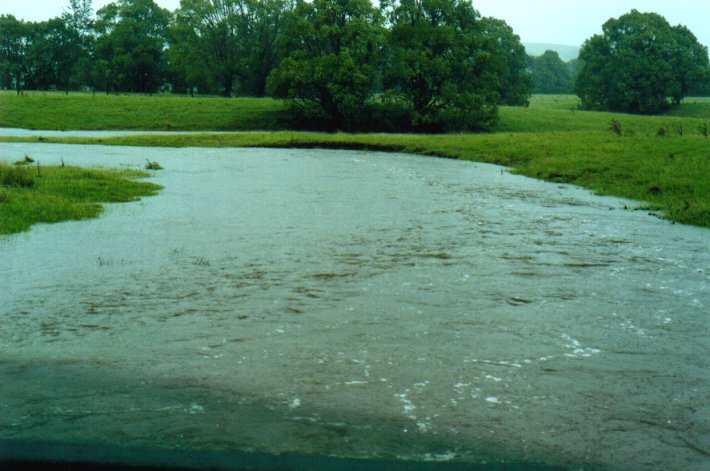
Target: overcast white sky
x,y
567,22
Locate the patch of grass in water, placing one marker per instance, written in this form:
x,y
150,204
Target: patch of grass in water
x,y
26,161
152,165
61,193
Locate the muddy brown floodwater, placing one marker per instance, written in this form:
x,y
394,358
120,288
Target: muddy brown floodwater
x,y
358,305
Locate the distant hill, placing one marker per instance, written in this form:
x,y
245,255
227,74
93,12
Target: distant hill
x,y
567,53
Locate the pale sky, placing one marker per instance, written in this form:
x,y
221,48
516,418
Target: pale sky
x,y
565,22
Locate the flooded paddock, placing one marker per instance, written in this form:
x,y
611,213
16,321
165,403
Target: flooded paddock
x,y
358,305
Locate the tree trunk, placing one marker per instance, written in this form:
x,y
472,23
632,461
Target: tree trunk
x,y
228,84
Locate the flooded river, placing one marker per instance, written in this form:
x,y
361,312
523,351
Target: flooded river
x,y
359,305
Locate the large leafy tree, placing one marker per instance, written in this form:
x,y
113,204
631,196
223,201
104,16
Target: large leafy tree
x,y
638,64
441,65
130,49
208,31
228,42
262,32
53,54
58,49
331,50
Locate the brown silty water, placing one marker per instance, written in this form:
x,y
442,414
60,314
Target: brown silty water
x,y
358,305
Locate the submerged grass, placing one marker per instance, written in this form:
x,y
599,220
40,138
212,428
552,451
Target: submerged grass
x,y
55,193
551,139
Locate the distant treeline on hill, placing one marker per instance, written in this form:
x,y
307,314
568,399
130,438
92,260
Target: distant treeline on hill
x,y
405,65
551,75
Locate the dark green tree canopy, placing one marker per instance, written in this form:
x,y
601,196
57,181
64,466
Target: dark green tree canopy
x,y
227,42
130,50
550,74
638,64
441,64
15,38
54,51
400,65
332,52
508,64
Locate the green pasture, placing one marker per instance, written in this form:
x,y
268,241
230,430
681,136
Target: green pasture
x,y
86,111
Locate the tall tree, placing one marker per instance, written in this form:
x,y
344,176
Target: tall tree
x,y
332,50
638,62
208,27
440,64
130,49
232,40
78,17
261,31
53,55
14,41
188,70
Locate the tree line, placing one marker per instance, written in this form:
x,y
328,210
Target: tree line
x,y
401,65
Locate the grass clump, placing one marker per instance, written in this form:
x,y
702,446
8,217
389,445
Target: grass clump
x,y
63,193
152,165
615,127
16,177
26,161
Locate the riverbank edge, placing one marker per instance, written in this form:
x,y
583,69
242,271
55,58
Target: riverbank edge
x,y
31,193
666,175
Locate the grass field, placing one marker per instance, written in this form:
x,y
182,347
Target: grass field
x,y
30,194
550,140
52,110
86,111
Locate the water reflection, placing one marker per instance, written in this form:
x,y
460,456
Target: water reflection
x,y
362,305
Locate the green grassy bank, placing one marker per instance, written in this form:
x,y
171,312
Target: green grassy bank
x,y
86,111
53,110
663,161
30,194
